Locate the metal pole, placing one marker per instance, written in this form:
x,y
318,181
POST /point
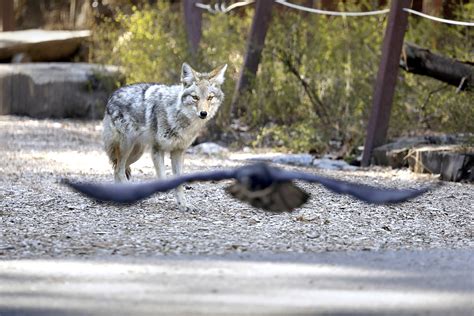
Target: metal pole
x,y
386,78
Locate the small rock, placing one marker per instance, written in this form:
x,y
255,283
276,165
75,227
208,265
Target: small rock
x,y
253,221
304,219
294,159
209,149
330,164
313,235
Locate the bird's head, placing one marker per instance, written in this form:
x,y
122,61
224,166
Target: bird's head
x,y
255,177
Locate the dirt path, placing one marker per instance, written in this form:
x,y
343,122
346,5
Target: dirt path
x,y
427,282
41,219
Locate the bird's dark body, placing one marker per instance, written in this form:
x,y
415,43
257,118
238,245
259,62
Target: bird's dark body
x,y
259,184
256,177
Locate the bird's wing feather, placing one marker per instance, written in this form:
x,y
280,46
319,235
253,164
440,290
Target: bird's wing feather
x,y
363,192
134,192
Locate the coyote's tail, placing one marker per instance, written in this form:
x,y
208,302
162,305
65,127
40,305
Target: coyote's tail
x,y
113,151
111,145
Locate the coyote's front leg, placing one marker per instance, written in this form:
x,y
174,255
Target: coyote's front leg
x,y
158,157
177,160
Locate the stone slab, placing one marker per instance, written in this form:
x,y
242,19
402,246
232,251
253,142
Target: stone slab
x,y
452,163
41,45
56,90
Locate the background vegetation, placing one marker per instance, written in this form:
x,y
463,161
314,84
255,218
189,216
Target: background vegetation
x,y
315,81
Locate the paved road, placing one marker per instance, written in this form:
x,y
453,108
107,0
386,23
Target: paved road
x,y
434,282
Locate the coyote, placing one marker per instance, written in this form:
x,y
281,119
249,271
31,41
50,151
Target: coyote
x,y
164,118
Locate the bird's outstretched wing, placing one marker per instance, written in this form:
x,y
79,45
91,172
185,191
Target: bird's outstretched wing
x,y
362,192
134,192
260,185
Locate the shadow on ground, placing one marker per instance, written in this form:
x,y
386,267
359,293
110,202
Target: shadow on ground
x,y
434,282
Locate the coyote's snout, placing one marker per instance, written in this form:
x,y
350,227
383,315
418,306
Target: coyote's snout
x,y
165,118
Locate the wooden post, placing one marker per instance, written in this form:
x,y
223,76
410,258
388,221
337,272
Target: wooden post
x,y
256,41
7,14
193,23
386,78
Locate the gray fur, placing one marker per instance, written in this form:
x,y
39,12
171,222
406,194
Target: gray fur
x,y
164,118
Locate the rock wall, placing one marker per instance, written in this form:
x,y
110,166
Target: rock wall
x,y
56,90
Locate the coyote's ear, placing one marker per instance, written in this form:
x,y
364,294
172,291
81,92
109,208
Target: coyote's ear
x,y
217,75
188,75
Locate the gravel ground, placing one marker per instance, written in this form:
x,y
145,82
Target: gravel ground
x,y
42,219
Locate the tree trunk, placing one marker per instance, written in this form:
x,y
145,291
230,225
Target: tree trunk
x,y
258,31
417,5
7,15
421,61
193,23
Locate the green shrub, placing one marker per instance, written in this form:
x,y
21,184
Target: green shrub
x,y
316,77
145,42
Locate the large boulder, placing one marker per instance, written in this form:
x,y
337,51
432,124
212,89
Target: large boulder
x,y
59,90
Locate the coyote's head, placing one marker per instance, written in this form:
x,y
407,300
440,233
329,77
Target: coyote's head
x,y
202,94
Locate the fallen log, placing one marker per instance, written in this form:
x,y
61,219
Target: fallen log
x,y
422,61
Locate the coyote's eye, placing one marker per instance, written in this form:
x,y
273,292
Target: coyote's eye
x,y
195,97
209,98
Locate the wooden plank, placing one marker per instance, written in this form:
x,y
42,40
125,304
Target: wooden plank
x,y
386,78
451,162
256,41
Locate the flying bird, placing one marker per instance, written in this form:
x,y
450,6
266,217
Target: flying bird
x,y
262,186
